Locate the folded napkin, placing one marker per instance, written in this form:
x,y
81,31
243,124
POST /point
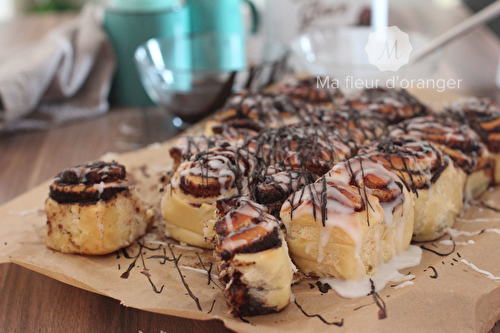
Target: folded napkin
x,y
64,76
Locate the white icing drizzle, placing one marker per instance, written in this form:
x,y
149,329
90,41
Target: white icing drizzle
x,y
102,185
214,277
359,169
478,220
339,213
218,163
26,212
385,273
485,273
451,242
404,284
455,233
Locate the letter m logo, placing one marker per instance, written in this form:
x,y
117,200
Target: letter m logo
x,y
391,51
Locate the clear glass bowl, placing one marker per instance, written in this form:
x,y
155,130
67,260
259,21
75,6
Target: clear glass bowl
x,y
194,75
340,54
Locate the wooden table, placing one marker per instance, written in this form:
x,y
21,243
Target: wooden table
x,y
32,302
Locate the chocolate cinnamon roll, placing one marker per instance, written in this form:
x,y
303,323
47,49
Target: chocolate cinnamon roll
x,y
390,105
392,193
483,116
432,177
458,141
252,257
91,209
313,90
357,128
306,146
272,189
255,111
188,146
334,230
198,183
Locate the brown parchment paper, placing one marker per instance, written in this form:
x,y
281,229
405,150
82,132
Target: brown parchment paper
x,y
458,300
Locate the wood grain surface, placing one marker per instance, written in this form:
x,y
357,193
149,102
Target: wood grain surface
x,y
30,302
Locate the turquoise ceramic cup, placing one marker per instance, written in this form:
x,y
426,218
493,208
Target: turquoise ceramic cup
x,y
130,23
222,18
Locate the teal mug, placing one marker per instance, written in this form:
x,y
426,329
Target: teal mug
x,y
222,18
130,23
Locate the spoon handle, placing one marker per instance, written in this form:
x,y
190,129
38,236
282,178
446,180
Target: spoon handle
x,y
464,27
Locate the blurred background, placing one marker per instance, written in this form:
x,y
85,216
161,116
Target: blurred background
x,y
13,8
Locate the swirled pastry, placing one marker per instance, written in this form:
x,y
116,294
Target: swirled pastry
x,y
350,221
252,257
483,116
432,177
291,157
255,111
91,209
390,105
187,146
327,229
276,186
198,183
306,146
358,129
458,141
310,90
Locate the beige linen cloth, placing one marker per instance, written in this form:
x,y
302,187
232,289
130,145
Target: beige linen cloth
x,y
64,76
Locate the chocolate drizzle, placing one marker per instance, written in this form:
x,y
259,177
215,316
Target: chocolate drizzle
x,y
176,263
336,323
485,205
390,105
440,254
457,140
418,163
89,183
382,312
145,270
435,273
209,272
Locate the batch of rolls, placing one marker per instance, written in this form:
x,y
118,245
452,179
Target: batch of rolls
x,y
302,180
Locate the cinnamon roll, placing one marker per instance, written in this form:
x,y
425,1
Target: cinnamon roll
x,y
350,221
312,90
390,105
272,191
327,229
483,116
188,146
306,146
458,141
252,257
198,183
92,209
254,111
432,177
357,128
